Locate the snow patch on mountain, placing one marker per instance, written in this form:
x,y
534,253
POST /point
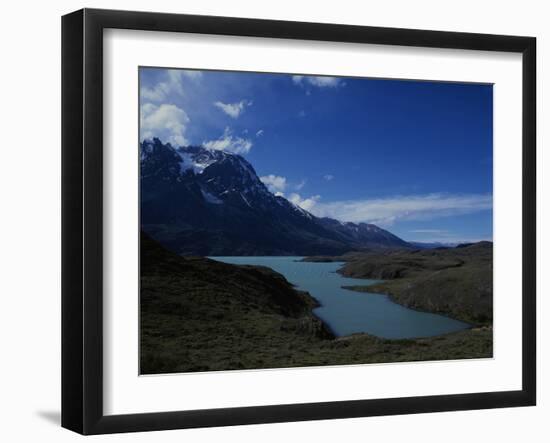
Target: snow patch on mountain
x,y
188,163
211,198
229,181
245,200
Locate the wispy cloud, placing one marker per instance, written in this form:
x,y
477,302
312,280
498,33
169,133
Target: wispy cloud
x,y
189,73
230,143
328,177
300,185
233,110
278,184
305,203
317,81
259,133
173,84
275,183
157,93
386,211
167,122
429,231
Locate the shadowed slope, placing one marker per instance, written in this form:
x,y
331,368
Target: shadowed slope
x,y
198,314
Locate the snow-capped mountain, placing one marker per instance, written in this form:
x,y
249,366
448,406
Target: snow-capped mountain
x,y
366,235
199,201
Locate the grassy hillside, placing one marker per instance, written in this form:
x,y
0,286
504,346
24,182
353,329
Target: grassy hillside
x,y
457,281
198,315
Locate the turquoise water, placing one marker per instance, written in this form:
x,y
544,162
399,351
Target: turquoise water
x,y
348,312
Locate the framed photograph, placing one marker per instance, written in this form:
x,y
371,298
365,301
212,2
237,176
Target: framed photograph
x,y
269,221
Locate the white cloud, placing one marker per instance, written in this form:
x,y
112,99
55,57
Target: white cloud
x,y
318,81
274,183
233,109
305,203
229,142
328,177
429,231
386,211
157,93
173,85
189,73
260,133
300,185
167,122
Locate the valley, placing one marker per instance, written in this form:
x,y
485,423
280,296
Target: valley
x,y
199,314
360,295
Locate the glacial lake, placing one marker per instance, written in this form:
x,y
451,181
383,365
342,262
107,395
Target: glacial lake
x,y
346,311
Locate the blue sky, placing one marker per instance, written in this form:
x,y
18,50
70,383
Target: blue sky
x,y
413,157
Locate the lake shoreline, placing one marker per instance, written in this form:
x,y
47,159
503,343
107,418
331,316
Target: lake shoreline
x,y
356,334
344,313
200,315
454,282
396,301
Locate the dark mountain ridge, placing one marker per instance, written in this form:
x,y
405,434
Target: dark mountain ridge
x,y
198,201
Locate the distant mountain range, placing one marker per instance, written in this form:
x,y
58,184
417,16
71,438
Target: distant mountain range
x,y
198,201
433,245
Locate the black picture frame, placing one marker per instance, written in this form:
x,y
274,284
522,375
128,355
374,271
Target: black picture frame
x,y
82,216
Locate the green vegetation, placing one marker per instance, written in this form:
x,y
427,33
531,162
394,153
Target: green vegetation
x,y
457,282
201,315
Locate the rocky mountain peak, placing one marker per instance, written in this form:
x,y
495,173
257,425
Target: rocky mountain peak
x,y
205,202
